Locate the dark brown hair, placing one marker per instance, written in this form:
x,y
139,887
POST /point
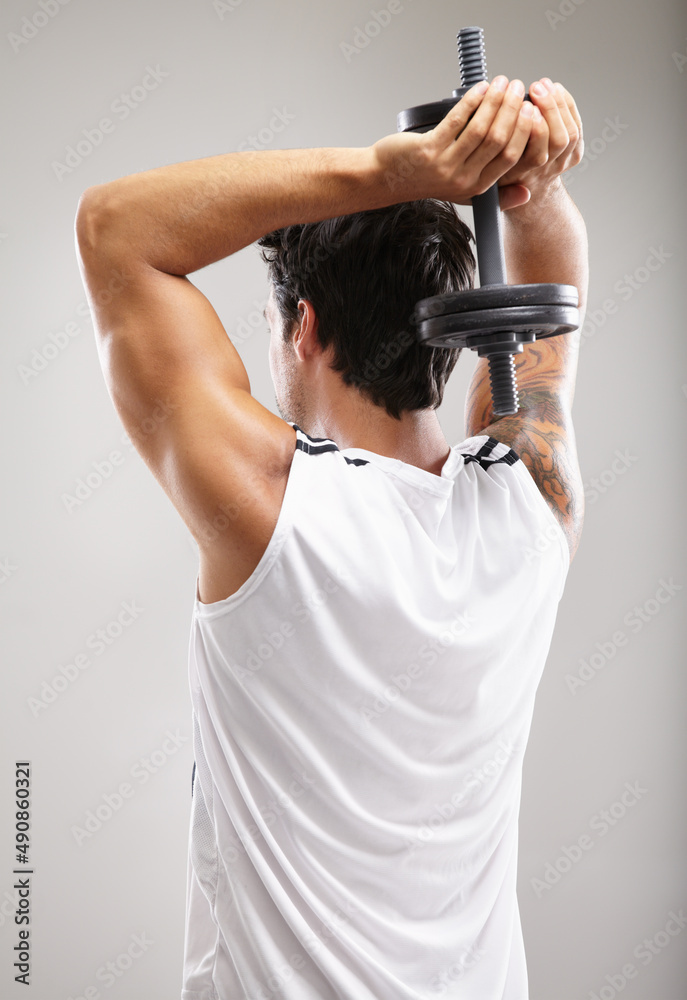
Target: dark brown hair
x,y
363,274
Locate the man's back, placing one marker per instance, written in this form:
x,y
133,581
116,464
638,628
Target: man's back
x,y
361,710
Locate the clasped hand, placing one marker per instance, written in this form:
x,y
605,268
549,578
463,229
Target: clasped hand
x,y
491,135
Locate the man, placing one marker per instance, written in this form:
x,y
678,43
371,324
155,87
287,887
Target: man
x,y
373,607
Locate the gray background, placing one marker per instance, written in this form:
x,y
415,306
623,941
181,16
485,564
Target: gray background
x,y
67,573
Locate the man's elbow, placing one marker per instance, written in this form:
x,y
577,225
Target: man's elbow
x,y
95,221
582,292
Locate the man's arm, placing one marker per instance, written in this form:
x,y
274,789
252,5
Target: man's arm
x,y
217,450
544,241
221,457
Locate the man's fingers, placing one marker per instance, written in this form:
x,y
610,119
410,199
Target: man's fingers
x,y
566,114
538,147
547,102
488,129
497,136
573,107
496,167
535,155
513,195
574,125
536,152
494,132
453,123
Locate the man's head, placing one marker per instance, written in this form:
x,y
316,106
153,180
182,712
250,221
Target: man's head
x,y
342,300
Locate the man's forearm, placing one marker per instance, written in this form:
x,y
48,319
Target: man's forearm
x,y
546,241
182,217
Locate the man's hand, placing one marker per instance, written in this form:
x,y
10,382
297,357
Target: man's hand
x,y
555,144
487,137
480,139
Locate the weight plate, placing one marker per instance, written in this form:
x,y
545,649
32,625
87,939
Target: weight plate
x,y
485,346
467,329
425,116
496,297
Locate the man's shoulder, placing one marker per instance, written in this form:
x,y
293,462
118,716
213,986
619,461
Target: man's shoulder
x,y
248,503
543,439
487,451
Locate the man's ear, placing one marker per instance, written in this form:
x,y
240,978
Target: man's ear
x,y
305,341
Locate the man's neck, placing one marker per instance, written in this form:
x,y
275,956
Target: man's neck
x,y
416,438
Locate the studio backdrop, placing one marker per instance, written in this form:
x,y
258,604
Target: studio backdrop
x,y
97,570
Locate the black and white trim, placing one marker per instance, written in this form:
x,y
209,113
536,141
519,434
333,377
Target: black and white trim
x,y
319,446
491,453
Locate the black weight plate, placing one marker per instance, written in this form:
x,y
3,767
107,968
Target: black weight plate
x,y
462,91
542,320
424,116
496,297
485,343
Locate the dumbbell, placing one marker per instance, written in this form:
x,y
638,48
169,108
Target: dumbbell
x,y
496,319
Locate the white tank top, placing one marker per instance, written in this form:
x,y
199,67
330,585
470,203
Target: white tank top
x,y
361,708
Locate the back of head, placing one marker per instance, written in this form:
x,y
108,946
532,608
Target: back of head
x,y
364,274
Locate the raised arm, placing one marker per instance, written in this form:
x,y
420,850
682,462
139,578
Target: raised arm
x,y
222,458
545,240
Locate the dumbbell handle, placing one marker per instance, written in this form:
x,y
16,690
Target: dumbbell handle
x,y
486,215
485,207
503,335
